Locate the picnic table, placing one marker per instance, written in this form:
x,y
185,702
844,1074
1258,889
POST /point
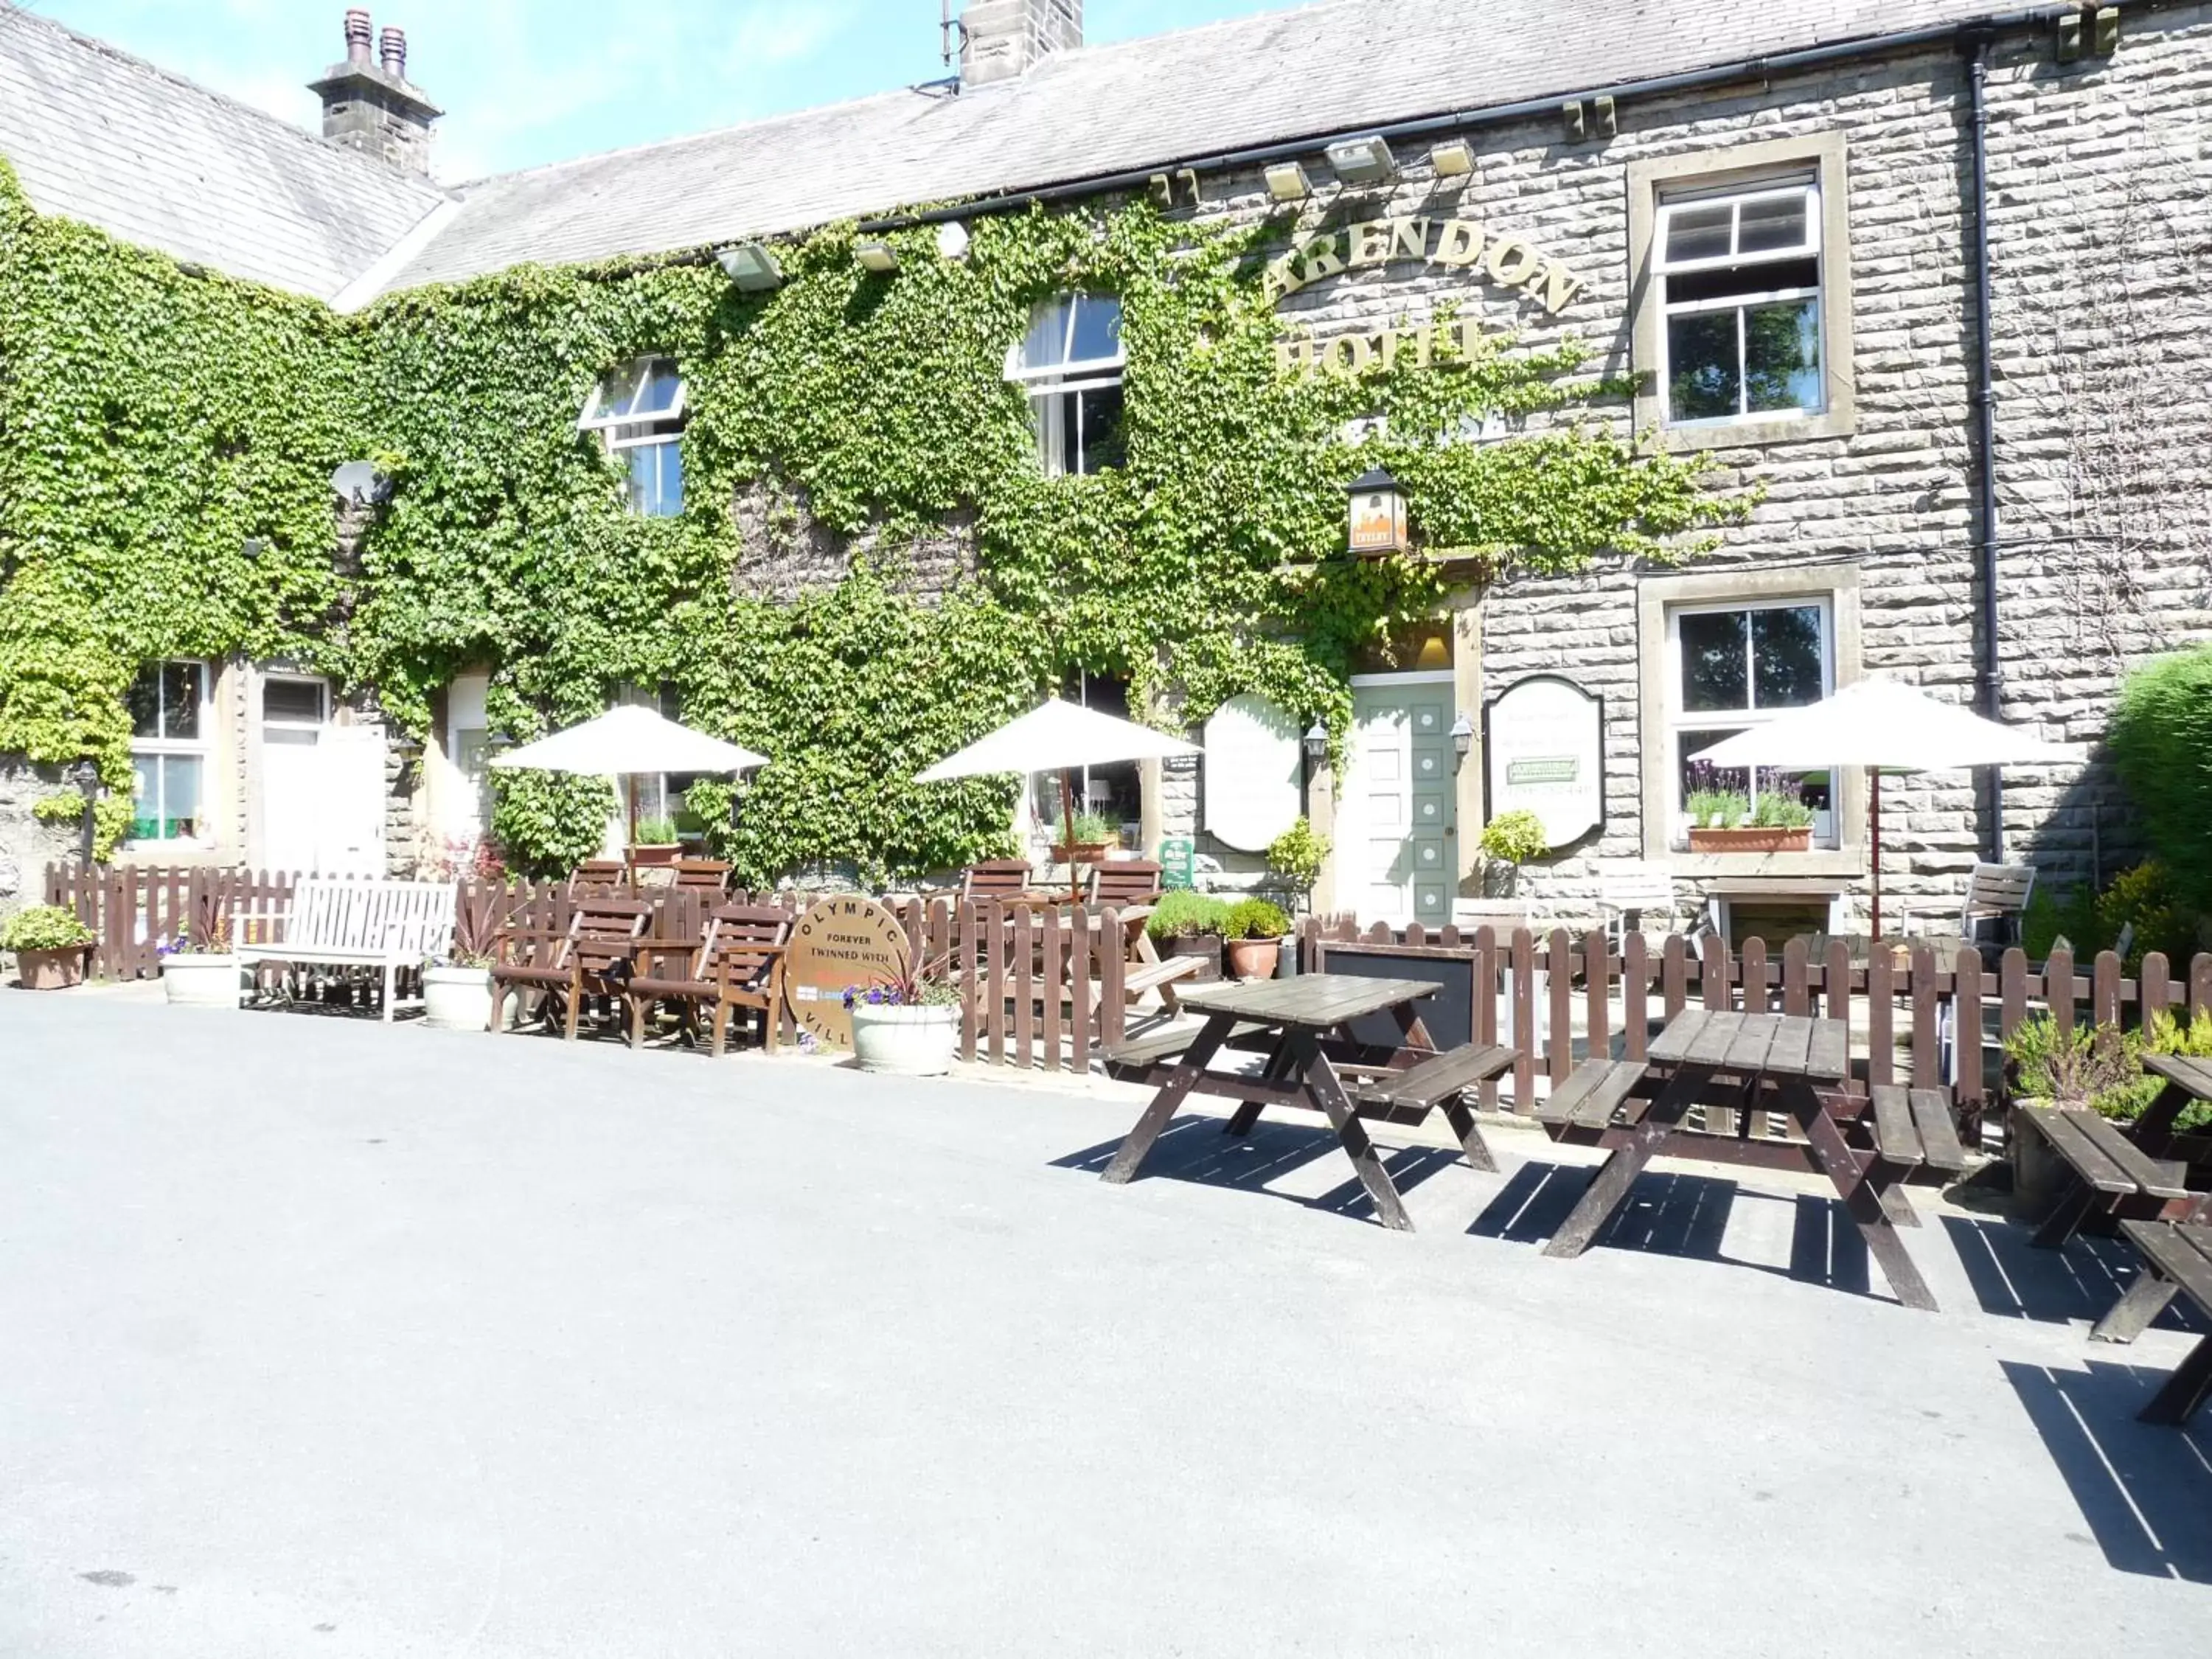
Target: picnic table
x,y
1705,1058
1303,1019
2114,1172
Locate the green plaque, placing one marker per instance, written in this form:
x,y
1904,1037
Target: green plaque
x,y
1178,863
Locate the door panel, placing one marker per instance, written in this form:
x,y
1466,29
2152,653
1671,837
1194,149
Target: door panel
x,y
1400,801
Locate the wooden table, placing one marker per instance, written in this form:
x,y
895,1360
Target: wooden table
x,y
1704,1058
1301,1012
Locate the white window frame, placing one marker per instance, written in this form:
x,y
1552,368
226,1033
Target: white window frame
x,y
201,748
1736,197
1055,389
323,694
622,428
1679,722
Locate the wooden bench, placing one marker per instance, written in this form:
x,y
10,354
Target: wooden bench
x,y
1913,1131
2176,1259
2108,1176
385,927
1583,1107
1129,1061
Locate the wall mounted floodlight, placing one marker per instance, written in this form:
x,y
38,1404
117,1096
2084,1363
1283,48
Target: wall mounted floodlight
x,y
1287,182
254,547
358,483
879,256
751,266
1454,160
952,239
1362,161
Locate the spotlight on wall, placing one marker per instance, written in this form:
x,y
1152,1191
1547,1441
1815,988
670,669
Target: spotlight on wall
x,y
1287,182
254,548
751,266
877,256
1454,160
952,239
1362,161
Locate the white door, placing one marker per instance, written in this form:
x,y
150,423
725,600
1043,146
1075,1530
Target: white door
x,y
1400,804
322,786
462,789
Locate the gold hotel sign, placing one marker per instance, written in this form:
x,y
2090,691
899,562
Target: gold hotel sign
x,y
1505,262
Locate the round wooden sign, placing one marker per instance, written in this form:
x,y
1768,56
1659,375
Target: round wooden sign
x,y
841,942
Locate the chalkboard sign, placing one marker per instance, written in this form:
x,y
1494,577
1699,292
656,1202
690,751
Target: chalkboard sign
x,y
1449,1015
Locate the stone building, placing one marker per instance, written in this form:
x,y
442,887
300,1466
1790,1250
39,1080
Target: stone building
x,y
1832,238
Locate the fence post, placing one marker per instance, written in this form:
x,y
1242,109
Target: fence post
x,y
994,1005
1051,991
2154,995
1486,1003
1113,999
1635,1008
1024,986
2058,988
2105,989
1882,1050
1090,941
970,980
1524,1022
1966,1044
1924,1043
1597,992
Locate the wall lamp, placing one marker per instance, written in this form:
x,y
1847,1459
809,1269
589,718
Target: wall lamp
x,y
1316,742
1362,161
1287,182
751,266
1462,737
879,256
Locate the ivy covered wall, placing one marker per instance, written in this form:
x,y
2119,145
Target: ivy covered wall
x,y
152,420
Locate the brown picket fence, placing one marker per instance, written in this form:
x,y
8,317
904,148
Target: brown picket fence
x,y
1043,987
1598,1000
1003,956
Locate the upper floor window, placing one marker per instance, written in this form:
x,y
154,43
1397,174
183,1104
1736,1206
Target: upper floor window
x,y
1738,275
1070,362
638,411
172,730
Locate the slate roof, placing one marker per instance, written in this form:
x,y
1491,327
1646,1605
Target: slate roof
x,y
103,136
97,135
1321,69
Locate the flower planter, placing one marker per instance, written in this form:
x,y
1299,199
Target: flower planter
x,y
56,970
905,1042
457,999
1253,958
1752,838
1084,852
199,981
1207,947
655,855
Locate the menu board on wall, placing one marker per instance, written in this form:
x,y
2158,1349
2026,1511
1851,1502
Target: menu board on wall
x,y
1544,744
1253,759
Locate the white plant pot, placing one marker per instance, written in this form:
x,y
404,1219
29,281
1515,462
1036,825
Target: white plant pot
x,y
201,981
457,999
905,1042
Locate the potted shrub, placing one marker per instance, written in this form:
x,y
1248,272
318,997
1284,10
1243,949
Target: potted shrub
x,y
197,968
1295,858
908,1027
457,987
1253,933
1510,840
1725,821
1189,925
2099,1066
52,947
1094,837
654,844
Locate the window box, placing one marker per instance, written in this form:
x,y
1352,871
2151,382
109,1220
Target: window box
x,y
1752,838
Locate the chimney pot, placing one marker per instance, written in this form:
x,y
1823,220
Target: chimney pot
x,y
394,53
357,33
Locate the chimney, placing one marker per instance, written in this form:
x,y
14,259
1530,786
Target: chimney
x,y
1001,38
369,104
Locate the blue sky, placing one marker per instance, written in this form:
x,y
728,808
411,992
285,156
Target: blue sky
x,y
524,84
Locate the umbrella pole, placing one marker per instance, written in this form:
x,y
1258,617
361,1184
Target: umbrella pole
x,y
1068,830
1874,795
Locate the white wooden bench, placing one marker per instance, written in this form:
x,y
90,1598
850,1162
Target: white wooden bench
x,y
384,926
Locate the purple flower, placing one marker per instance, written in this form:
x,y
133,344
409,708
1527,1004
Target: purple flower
x,y
875,996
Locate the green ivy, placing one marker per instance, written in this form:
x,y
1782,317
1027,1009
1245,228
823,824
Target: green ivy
x,y
152,419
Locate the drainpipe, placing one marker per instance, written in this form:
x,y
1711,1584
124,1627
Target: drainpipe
x,y
1984,396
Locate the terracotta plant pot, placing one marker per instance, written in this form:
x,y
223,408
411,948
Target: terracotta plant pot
x,y
1752,838
1084,852
52,970
1253,958
655,857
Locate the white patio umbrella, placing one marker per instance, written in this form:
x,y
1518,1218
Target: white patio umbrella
x,y
1885,726
625,743
1058,737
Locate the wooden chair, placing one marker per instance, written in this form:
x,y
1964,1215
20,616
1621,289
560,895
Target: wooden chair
x,y
600,875
736,962
590,958
995,878
1132,886
710,877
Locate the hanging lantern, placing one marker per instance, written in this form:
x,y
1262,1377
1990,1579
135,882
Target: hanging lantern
x,y
1379,517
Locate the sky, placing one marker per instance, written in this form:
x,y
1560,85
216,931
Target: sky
x,y
524,84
